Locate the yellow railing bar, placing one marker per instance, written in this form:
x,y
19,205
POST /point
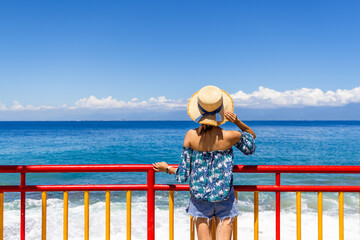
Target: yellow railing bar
x,y
43,208
320,215
235,220
107,215
298,215
341,215
256,215
128,215
65,228
213,228
1,216
86,215
192,228
171,215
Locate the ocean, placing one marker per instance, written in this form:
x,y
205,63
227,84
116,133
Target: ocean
x,y
125,142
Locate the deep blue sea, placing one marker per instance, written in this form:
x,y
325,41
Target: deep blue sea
x,y
121,142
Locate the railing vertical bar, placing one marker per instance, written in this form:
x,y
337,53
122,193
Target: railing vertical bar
x,y
86,215
320,215
1,215
43,208
65,221
192,228
341,215
171,215
128,215
107,215
213,228
256,215
235,220
150,205
22,206
298,215
277,208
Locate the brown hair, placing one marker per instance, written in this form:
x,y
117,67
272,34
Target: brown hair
x,y
204,128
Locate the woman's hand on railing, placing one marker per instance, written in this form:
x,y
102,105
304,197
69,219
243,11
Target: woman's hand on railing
x,y
163,167
160,166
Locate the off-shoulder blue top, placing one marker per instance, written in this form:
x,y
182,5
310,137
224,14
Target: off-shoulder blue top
x,y
211,172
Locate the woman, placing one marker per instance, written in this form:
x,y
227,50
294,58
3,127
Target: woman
x,y
207,158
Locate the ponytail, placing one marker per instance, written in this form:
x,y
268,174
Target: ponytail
x,y
204,128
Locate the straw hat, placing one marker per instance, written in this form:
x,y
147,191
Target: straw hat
x,y
207,106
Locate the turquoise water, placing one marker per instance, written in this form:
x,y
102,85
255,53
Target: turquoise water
x,y
283,142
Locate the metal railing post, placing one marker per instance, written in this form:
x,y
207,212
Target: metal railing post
x,y
277,208
66,215
256,215
150,205
107,215
43,227
22,207
128,215
1,215
171,215
320,216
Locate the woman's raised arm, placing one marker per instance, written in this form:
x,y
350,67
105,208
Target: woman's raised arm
x,y
234,119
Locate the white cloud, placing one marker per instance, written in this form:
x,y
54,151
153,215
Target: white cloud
x,y
2,106
167,103
261,98
270,98
94,103
111,103
19,107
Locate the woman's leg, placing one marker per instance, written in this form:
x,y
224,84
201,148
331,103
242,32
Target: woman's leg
x,y
203,228
224,229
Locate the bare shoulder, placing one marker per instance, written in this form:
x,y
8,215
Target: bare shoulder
x,y
232,136
190,134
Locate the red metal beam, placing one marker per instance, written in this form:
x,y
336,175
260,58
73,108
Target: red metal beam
x,y
277,207
295,169
176,187
295,188
60,188
75,168
151,205
146,167
22,206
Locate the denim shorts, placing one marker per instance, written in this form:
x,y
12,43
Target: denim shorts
x,y
223,209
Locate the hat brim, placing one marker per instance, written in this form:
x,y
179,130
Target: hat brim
x,y
194,112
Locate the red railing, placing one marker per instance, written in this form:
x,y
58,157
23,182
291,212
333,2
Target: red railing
x,y
151,187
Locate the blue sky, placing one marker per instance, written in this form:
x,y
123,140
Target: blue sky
x,y
57,53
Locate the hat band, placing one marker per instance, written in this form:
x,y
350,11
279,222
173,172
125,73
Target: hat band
x,y
205,113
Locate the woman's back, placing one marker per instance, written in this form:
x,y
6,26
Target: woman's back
x,y
213,139
208,160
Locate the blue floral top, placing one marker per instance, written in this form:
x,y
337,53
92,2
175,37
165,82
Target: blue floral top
x,y
211,172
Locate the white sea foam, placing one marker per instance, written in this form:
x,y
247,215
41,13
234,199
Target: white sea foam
x,y
182,226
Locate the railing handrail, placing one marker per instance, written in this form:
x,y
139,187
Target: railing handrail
x,y
177,187
147,167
